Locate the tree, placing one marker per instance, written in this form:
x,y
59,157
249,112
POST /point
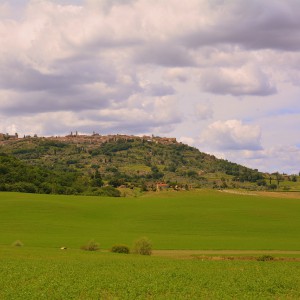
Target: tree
x,y
278,177
97,180
294,178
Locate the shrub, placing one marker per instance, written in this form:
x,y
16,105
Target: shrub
x,y
109,191
17,243
91,246
23,187
142,246
120,249
272,186
265,258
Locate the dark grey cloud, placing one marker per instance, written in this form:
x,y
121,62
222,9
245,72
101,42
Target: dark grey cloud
x,y
252,25
163,54
41,102
69,85
107,5
126,121
158,90
62,76
76,99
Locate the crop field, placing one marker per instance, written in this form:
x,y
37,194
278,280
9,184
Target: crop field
x,y
187,224
183,220
41,273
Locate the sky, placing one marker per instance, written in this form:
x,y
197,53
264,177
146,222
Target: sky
x,y
220,75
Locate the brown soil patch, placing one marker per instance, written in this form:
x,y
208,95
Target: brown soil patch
x,y
293,195
227,254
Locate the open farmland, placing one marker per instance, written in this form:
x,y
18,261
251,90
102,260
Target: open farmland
x,y
43,273
189,224
184,220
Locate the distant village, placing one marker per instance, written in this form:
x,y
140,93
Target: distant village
x,y
94,138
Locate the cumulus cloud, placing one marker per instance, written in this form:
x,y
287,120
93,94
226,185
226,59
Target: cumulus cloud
x,y
247,80
74,59
277,158
232,135
157,114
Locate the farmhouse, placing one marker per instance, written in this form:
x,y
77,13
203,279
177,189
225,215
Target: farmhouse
x,y
161,186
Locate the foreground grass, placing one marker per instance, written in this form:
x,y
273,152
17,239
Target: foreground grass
x,y
41,273
187,220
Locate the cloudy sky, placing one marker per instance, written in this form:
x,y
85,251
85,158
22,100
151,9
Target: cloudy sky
x,y
219,75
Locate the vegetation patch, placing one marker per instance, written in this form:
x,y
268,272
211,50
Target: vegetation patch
x,y
42,165
265,258
120,249
91,246
142,246
17,243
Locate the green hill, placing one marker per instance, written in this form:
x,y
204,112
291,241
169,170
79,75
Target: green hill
x,y
83,164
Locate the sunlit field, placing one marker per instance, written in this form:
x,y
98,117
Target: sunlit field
x,y
196,221
183,220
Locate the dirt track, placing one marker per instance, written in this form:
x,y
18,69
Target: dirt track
x,y
219,254
293,195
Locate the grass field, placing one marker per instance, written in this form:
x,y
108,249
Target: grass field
x,y
190,224
41,273
184,220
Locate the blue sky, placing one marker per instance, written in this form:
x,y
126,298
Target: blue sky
x,y
222,76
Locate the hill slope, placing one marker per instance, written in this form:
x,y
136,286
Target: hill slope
x,y
83,164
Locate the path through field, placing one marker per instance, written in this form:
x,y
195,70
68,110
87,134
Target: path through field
x,y
189,254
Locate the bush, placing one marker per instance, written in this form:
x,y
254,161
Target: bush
x,y
17,243
120,249
265,258
109,191
272,187
142,246
23,187
91,246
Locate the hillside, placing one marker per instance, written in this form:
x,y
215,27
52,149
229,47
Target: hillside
x,y
82,164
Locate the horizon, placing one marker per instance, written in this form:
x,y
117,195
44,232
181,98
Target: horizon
x,y
220,76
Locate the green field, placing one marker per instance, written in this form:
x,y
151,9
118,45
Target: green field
x,y
40,273
195,220
184,220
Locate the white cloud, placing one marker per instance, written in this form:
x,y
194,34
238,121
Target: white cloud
x,y
232,135
187,140
285,159
179,74
247,80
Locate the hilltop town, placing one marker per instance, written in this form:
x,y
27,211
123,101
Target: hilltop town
x,y
94,138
